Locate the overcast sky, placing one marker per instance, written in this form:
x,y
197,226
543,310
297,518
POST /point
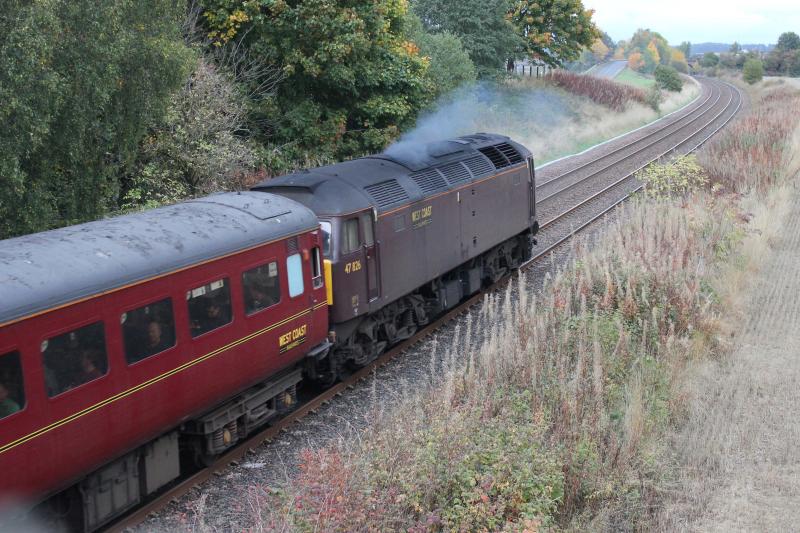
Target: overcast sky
x,y
753,21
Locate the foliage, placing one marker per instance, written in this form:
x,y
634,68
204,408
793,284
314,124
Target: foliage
x,y
753,71
680,178
450,64
554,31
606,92
668,78
600,50
710,59
80,82
686,48
195,150
482,26
752,153
636,61
351,82
788,41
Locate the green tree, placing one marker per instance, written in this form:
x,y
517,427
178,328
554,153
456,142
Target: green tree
x,y
710,59
686,48
668,78
554,31
80,82
352,81
735,48
450,65
481,25
788,41
753,71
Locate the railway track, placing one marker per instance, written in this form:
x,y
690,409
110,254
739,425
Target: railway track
x,y
611,178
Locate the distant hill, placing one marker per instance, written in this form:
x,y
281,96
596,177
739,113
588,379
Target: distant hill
x,y
702,48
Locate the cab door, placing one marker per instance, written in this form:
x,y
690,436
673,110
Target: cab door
x,y
370,256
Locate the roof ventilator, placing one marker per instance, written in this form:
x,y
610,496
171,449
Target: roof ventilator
x,y
455,172
429,180
386,192
495,156
479,166
510,152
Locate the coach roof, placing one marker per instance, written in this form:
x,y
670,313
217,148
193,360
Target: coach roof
x,y
52,268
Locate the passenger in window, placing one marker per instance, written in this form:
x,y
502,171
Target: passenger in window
x,y
214,317
156,340
7,405
89,370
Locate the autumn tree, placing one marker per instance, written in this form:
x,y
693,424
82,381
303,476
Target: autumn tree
x,y
482,27
600,50
636,61
554,31
351,79
80,83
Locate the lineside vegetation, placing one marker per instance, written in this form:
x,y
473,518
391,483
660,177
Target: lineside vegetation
x,y
551,410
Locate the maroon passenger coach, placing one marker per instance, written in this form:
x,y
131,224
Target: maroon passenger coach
x,y
128,342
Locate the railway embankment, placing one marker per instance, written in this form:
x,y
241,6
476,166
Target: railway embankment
x,y
584,406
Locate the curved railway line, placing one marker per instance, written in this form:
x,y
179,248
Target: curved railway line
x,y
593,187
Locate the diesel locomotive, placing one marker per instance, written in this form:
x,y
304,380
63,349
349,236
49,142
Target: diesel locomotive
x,y
133,347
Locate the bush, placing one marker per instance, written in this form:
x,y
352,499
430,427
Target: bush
x,y
605,92
668,78
680,66
753,71
710,59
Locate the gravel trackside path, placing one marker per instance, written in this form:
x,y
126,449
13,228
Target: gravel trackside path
x,y
742,447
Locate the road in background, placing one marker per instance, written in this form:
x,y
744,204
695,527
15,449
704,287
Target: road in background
x,y
608,70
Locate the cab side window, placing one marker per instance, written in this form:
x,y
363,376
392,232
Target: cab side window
x,y
209,306
294,271
262,288
350,241
366,224
148,330
316,268
12,391
74,358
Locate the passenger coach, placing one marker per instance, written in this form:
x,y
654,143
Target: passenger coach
x,y
122,340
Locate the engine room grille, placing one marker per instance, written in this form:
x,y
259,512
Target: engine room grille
x,y
455,172
495,156
510,152
429,180
479,166
386,192
292,246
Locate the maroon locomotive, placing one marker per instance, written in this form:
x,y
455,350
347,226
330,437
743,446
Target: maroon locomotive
x,y
122,342
409,234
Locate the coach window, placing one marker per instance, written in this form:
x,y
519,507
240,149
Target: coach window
x,y
350,236
209,306
294,271
366,225
326,237
74,358
262,288
316,268
12,392
148,330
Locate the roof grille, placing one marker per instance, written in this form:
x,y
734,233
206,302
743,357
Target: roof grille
x,y
292,246
429,180
495,156
386,192
479,166
455,172
510,152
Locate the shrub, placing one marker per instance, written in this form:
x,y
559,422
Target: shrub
x,y
668,78
680,66
682,177
753,71
605,92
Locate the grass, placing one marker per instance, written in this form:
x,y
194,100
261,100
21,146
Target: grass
x,y
634,79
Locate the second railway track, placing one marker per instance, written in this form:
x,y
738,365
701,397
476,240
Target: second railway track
x,y
602,186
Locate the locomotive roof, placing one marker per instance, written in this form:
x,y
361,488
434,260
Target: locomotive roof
x,y
405,173
53,268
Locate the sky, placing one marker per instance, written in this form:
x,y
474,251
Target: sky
x,y
697,21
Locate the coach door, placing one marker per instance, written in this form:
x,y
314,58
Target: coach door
x,y
370,255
